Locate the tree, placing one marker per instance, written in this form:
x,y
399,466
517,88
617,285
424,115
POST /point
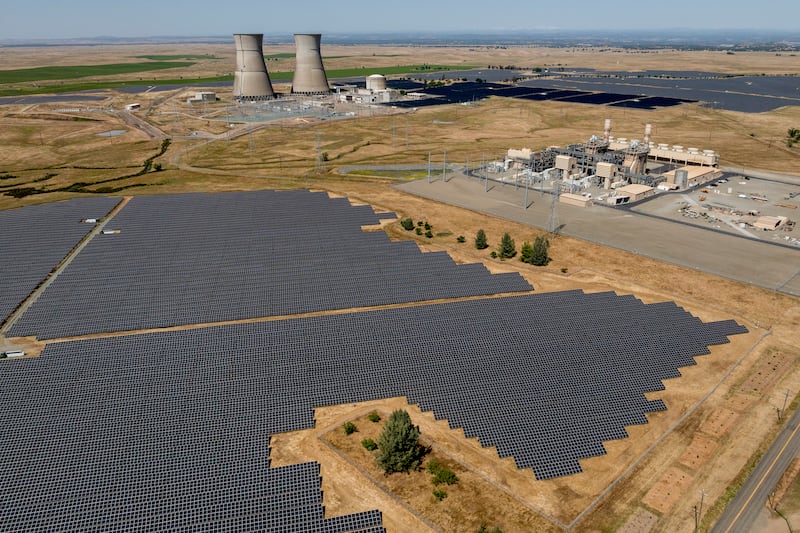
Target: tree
x,y
398,445
540,255
526,252
507,247
407,224
480,240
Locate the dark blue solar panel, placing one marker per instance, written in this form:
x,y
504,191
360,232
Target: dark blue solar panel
x,y
199,258
33,240
171,430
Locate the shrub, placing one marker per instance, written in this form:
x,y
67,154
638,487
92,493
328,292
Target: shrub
x,y
420,223
429,234
439,494
564,270
441,473
427,226
407,224
418,231
480,240
374,417
460,239
493,254
484,529
349,428
369,444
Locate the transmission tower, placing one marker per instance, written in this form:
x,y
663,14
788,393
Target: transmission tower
x,y
320,159
552,224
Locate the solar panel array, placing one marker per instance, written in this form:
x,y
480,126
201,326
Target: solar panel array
x,y
541,89
170,430
199,258
35,239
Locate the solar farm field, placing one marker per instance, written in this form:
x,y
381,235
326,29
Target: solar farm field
x,y
572,380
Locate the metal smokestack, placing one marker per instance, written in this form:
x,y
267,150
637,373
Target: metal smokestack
x,y
251,81
309,74
607,129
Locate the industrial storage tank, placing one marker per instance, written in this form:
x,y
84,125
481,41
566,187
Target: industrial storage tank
x,y
250,80
309,73
376,82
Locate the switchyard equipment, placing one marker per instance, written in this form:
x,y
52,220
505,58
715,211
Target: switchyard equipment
x,y
250,80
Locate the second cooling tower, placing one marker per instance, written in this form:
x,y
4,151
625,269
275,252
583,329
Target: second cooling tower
x,y
309,74
251,81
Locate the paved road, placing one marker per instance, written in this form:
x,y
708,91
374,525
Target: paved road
x,y
750,261
743,510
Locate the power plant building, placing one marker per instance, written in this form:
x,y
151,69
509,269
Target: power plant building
x,y
309,73
250,80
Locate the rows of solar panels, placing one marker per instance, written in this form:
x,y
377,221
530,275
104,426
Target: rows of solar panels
x,y
749,94
35,239
200,258
465,92
172,428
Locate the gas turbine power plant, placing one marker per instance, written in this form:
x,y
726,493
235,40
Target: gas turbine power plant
x,y
251,81
628,170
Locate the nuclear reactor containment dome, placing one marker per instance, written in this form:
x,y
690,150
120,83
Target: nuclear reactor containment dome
x,y
309,74
376,82
251,81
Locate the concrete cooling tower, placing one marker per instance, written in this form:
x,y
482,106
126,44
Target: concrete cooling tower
x,y
309,74
251,81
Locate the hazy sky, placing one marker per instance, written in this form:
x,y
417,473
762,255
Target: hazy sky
x,y
40,19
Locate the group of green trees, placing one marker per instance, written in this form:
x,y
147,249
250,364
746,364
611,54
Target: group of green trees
x,y
792,137
408,225
537,253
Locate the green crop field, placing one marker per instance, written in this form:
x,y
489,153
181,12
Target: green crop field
x,y
178,57
98,85
275,76
25,75
284,55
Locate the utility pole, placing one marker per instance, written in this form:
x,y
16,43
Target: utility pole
x,y
429,167
553,223
526,192
485,174
783,409
698,511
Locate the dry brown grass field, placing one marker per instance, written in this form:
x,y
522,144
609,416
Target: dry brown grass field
x,y
721,412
